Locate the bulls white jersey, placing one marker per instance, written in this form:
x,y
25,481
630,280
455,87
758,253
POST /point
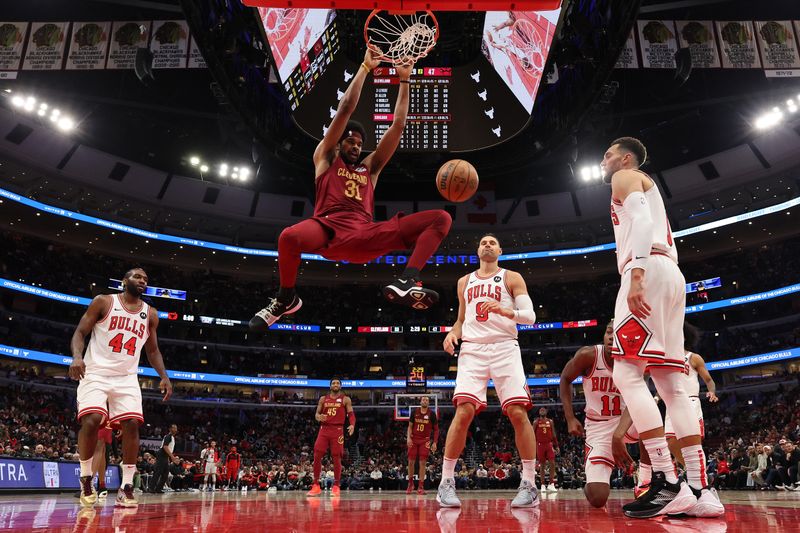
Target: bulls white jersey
x,y
117,340
480,326
692,383
663,242
603,399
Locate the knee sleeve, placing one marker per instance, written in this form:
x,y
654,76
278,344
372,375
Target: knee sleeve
x,y
629,379
442,222
671,389
289,239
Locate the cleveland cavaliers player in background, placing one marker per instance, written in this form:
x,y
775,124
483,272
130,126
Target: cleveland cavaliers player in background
x,y
491,302
648,336
120,325
342,227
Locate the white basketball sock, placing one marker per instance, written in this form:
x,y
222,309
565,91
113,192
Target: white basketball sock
x,y
448,468
529,470
86,467
645,474
695,460
127,474
660,458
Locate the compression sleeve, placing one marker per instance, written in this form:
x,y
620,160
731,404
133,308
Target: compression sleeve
x,y
524,313
638,208
351,417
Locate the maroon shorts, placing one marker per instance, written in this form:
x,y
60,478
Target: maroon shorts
x,y
330,437
104,434
419,449
545,452
358,241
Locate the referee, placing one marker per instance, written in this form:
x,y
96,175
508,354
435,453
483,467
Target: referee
x,y
164,458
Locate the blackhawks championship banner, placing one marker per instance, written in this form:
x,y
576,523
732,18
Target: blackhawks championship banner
x,y
45,49
88,46
698,37
196,59
737,41
12,41
126,38
658,43
778,45
170,43
628,57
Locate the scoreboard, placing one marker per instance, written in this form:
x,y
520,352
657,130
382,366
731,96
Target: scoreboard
x,y
428,121
416,380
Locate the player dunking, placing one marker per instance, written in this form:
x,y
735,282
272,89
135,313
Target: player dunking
x,y
546,448
342,227
331,411
648,333
421,438
120,325
491,302
604,407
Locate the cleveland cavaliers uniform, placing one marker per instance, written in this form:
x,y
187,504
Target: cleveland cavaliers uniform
x,y
489,348
657,339
112,364
693,390
604,407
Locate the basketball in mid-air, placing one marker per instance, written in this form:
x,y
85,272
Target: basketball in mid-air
x,y
457,180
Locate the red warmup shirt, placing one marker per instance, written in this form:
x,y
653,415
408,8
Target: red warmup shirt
x,y
544,429
333,408
423,424
345,188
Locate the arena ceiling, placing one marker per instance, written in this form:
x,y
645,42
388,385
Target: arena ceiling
x,y
183,113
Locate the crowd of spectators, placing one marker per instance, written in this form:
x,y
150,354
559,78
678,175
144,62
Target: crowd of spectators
x,y
751,437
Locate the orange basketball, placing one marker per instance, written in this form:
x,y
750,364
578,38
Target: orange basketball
x,y
457,180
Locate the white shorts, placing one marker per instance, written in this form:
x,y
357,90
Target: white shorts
x,y
597,450
211,468
500,362
657,339
117,398
669,431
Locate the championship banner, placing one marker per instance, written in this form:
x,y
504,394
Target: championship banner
x,y
126,38
698,37
658,42
46,46
628,57
196,59
170,43
12,39
88,46
737,42
777,43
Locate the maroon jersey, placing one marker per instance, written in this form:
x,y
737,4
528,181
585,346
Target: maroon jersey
x,y
423,424
333,408
345,188
544,430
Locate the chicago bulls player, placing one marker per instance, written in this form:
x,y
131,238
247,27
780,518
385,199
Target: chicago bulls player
x,y
604,407
491,302
331,411
120,325
648,332
421,438
546,448
342,227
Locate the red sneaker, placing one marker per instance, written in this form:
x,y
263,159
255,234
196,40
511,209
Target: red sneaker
x,y
420,490
315,490
410,488
335,490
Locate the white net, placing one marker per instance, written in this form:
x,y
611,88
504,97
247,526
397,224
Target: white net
x,y
526,43
402,38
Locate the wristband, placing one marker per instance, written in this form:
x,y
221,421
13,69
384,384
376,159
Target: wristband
x,y
366,68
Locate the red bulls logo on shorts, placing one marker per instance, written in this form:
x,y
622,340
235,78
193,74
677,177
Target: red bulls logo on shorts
x,y
632,337
341,439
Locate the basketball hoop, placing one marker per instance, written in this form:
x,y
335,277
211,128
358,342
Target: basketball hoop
x,y
528,45
401,37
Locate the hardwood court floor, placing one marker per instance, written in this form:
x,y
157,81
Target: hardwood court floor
x,y
383,512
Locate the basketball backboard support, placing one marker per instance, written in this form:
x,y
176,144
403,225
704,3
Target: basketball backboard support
x,y
404,404
413,5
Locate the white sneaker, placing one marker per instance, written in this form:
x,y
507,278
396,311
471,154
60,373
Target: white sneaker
x,y
551,488
527,495
446,495
708,505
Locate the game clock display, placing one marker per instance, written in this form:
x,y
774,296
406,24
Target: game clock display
x,y
416,381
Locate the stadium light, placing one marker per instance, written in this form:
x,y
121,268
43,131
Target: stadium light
x,y
194,160
244,173
768,120
203,168
18,101
223,169
596,174
65,124
586,173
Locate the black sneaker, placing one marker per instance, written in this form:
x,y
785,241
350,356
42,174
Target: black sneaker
x,y
411,293
661,498
272,312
